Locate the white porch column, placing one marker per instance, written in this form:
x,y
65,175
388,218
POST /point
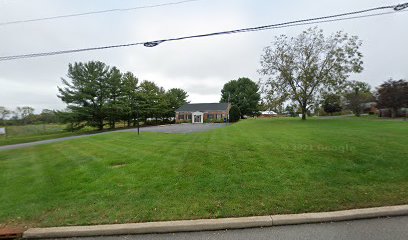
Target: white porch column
x,y
195,115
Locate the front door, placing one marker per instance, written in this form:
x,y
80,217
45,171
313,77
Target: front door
x,y
197,118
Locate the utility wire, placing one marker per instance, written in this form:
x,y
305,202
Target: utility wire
x,y
331,18
95,12
337,19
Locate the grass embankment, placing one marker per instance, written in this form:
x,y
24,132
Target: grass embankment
x,y
38,132
34,132
255,167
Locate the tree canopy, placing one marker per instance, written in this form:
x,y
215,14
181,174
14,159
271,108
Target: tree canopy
x,y
87,95
243,93
332,103
175,98
356,93
301,68
98,94
393,94
234,114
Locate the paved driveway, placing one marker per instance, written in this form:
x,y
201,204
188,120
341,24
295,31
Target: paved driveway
x,y
173,128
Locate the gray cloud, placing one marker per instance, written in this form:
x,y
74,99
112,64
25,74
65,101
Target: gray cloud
x,y
200,66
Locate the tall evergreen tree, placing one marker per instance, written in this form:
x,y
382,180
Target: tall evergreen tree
x,y
129,99
149,99
174,98
87,93
114,106
97,94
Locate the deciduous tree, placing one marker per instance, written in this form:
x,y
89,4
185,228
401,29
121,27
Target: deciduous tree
x,y
243,93
356,93
394,95
332,103
4,113
300,68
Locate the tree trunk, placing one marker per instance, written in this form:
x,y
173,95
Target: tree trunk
x,y
100,125
304,110
394,112
357,112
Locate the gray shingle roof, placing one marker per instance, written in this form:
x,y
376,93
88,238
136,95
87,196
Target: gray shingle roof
x,y
203,107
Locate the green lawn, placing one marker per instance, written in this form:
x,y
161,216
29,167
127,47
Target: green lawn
x,y
38,132
254,167
33,132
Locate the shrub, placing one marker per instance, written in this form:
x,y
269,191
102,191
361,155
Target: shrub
x,y
214,121
234,114
184,121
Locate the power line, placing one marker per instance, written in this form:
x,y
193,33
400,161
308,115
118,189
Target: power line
x,y
95,12
331,18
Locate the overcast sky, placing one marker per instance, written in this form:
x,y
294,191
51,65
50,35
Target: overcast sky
x,y
200,66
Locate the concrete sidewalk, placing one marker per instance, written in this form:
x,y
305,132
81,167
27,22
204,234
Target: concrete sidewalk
x,y
214,224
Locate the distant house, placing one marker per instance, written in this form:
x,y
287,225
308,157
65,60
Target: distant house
x,y
267,114
370,108
202,112
387,112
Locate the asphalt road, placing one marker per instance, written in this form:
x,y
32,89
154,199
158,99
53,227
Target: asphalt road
x,y
173,128
395,228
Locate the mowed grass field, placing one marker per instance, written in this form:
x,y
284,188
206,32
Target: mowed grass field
x,y
30,133
254,167
38,132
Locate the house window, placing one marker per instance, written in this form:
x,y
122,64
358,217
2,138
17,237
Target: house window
x,y
189,116
210,116
181,117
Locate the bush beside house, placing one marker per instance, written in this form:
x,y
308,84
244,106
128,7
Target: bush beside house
x,y
235,114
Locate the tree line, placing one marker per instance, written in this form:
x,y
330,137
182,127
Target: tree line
x,y
311,71
25,115
97,95
392,95
354,96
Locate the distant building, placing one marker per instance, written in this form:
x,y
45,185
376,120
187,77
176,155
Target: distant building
x,y
203,112
387,112
370,108
267,114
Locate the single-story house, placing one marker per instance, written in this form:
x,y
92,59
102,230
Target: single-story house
x,y
370,108
268,114
202,112
387,112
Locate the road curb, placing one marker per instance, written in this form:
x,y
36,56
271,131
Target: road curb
x,y
344,215
214,224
